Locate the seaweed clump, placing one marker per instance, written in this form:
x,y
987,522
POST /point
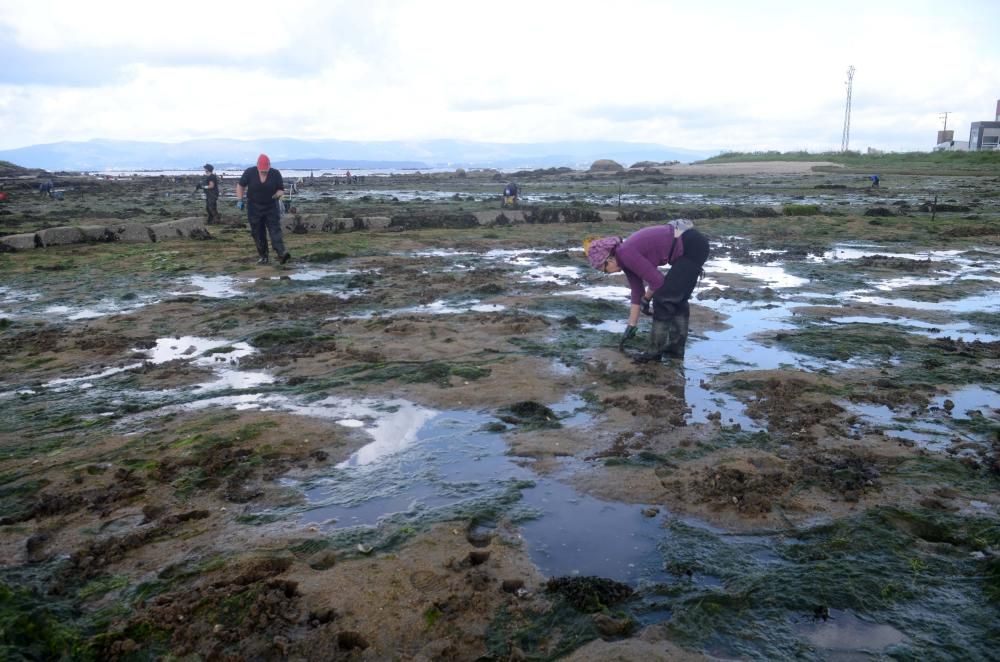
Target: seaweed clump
x,y
589,594
530,414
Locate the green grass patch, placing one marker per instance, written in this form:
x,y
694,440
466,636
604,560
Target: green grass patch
x,y
923,162
800,210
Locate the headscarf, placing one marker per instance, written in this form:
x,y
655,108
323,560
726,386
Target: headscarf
x,y
599,250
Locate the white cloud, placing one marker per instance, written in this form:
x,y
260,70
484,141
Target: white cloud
x,y
714,75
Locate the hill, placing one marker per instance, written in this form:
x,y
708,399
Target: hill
x,y
8,169
190,155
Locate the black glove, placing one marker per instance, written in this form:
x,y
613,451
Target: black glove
x,y
628,335
646,307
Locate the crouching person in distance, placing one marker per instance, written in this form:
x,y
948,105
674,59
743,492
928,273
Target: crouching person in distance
x,y
678,244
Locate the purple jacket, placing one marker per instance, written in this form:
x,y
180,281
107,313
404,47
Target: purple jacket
x,y
644,251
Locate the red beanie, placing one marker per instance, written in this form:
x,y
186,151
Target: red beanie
x,y
263,163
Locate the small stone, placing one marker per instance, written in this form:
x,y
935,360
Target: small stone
x,y
612,627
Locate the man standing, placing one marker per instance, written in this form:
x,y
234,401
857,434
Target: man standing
x,y
211,186
264,188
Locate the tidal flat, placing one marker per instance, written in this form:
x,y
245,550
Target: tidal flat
x,y
420,441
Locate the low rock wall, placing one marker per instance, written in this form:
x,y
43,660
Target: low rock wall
x,y
194,228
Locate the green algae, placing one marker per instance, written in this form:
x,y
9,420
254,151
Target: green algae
x,y
724,439
529,415
100,586
913,569
280,336
589,594
845,342
800,210
430,372
33,627
325,257
538,635
175,574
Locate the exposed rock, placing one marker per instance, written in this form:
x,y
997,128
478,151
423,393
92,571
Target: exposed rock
x,y
606,165
133,233
97,233
61,236
20,242
183,228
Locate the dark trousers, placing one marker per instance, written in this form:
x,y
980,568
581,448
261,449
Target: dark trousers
x,y
671,298
212,207
264,221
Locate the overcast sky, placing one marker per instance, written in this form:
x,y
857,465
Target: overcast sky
x,y
716,76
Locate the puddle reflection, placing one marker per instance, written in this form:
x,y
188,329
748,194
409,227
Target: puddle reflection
x,y
423,461
843,632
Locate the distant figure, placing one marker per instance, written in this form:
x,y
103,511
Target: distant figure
x,y
211,185
47,188
264,189
510,194
875,180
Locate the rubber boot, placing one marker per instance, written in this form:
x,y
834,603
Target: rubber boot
x,y
659,335
678,333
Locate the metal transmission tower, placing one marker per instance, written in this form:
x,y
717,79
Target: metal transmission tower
x,y
845,141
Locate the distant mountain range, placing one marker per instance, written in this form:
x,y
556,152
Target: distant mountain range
x,y
290,153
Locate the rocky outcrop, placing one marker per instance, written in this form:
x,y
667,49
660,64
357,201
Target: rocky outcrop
x,y
19,242
95,233
192,227
133,233
606,165
376,222
62,236
500,217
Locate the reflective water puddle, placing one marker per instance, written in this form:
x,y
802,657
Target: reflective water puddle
x,y
957,330
934,429
219,355
426,465
848,637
